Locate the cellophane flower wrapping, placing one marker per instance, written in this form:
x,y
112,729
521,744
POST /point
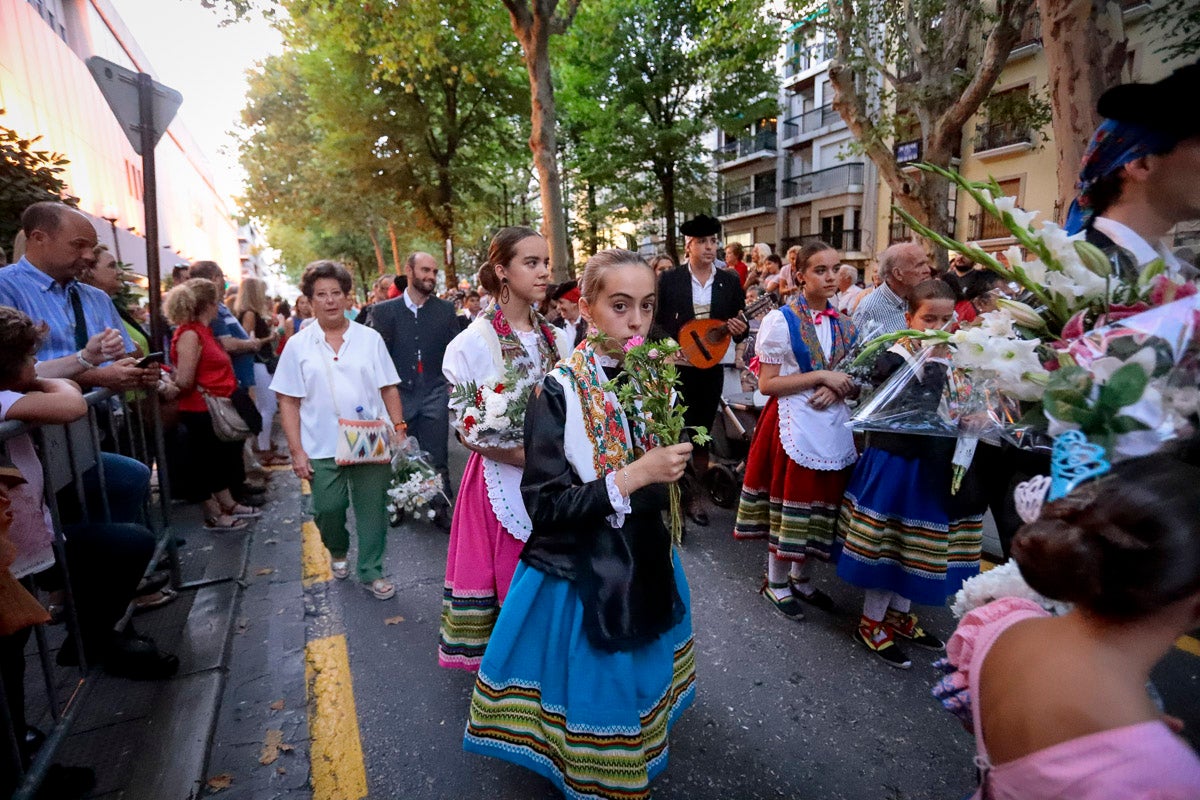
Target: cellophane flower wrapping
x,y
492,414
415,483
1132,384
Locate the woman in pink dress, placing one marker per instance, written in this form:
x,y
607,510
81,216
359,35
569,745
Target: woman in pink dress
x,y
490,524
1059,705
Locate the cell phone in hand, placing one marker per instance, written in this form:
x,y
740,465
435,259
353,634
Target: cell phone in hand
x,y
153,358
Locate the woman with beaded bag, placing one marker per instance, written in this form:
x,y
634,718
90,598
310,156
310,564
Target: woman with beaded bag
x,y
490,524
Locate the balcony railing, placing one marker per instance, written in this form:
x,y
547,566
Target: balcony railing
x,y
761,142
806,57
985,226
810,121
991,136
899,231
846,239
840,177
749,200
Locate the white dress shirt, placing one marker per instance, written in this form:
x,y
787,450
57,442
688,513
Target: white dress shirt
x,y
1131,241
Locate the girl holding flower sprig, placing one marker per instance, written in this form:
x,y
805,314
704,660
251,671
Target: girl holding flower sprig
x,y
802,451
905,537
591,661
490,523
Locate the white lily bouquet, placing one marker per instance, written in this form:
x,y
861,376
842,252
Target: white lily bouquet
x,y
414,484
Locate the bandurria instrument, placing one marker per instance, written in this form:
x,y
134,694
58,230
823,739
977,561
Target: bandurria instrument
x,y
703,342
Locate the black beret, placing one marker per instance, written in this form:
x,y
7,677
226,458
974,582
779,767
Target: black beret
x,y
701,225
1169,106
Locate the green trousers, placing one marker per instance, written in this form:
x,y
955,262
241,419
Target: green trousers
x,y
365,486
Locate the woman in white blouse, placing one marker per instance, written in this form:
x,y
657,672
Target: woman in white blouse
x,y
338,368
490,524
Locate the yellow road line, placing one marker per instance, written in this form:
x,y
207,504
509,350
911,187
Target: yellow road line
x,y
316,567
338,769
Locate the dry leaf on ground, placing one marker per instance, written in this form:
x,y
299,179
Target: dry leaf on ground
x,y
218,782
264,571
272,745
393,620
277,705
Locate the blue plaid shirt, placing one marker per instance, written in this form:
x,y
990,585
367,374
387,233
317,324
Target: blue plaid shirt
x,y
26,288
226,324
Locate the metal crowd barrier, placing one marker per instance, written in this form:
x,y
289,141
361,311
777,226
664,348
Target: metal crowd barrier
x,y
129,424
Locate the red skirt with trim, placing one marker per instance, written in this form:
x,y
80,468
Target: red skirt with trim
x,y
794,507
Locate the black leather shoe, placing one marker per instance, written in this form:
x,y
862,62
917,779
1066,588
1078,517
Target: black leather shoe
x,y
140,660
66,783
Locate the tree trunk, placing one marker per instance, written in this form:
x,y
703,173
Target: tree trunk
x,y
533,28
593,223
395,249
667,181
1084,41
378,249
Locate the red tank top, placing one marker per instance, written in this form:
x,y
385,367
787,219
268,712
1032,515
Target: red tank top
x,y
214,373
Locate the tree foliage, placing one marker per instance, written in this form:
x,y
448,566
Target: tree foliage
x,y
920,67
647,79
27,175
384,119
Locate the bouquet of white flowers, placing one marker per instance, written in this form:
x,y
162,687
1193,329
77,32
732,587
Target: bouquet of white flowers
x,y
493,414
414,484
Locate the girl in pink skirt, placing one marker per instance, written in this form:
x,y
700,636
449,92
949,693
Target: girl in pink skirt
x,y
490,522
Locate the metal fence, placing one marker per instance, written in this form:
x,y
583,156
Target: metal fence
x,y
841,177
130,425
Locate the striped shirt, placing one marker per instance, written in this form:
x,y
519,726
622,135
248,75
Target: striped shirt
x,y
26,288
880,312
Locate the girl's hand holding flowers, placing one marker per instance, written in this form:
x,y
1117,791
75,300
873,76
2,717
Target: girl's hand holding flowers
x,y
660,465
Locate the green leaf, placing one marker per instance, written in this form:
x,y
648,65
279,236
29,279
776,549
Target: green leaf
x,y
1124,424
1125,387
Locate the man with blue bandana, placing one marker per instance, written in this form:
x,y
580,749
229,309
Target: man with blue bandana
x,y
1140,176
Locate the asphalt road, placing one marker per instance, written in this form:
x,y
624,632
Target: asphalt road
x,y
783,709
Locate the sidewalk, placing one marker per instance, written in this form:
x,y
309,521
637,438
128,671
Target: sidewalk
x,y
150,740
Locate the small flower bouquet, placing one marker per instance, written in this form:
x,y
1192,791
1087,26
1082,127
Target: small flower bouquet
x,y
651,387
493,414
414,484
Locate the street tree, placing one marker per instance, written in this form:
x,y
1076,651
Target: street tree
x,y
534,22
921,69
28,174
647,79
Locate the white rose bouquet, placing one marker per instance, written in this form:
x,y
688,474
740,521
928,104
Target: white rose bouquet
x,y
414,484
493,414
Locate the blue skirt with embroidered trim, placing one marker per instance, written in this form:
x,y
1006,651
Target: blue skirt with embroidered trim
x,y
895,532
594,723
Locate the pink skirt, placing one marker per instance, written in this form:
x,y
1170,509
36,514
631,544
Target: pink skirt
x,y
479,568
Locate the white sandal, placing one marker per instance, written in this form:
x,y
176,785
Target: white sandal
x,y
382,589
340,569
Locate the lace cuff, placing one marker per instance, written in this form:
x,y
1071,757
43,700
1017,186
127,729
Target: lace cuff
x,y
620,502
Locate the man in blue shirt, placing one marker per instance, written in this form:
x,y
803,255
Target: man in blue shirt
x,y
59,244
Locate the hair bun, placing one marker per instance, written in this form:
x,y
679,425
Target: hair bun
x,y
488,279
1060,560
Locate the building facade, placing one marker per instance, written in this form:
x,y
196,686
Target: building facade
x,y
47,91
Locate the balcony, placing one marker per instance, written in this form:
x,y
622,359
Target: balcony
x,y
1030,39
993,140
810,121
738,150
843,178
899,231
804,58
751,200
984,226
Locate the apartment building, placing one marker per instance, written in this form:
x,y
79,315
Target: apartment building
x,y
1021,158
787,179
47,91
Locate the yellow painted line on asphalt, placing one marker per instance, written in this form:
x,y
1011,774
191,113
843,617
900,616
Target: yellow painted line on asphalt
x,y
338,769
985,564
316,557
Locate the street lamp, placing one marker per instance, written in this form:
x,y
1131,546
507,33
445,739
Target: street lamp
x,y
110,214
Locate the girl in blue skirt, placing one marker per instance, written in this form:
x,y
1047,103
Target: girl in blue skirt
x,y
591,659
905,537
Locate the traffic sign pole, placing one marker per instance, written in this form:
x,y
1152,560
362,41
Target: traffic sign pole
x,y
158,329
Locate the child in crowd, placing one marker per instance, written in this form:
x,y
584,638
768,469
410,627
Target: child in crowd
x,y
905,537
802,451
591,661
977,294
1059,705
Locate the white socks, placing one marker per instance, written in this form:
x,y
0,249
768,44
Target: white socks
x,y
877,601
777,573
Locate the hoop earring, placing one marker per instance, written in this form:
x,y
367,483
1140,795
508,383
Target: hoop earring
x,y
505,294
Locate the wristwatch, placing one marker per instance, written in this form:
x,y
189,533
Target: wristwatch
x,y
400,426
